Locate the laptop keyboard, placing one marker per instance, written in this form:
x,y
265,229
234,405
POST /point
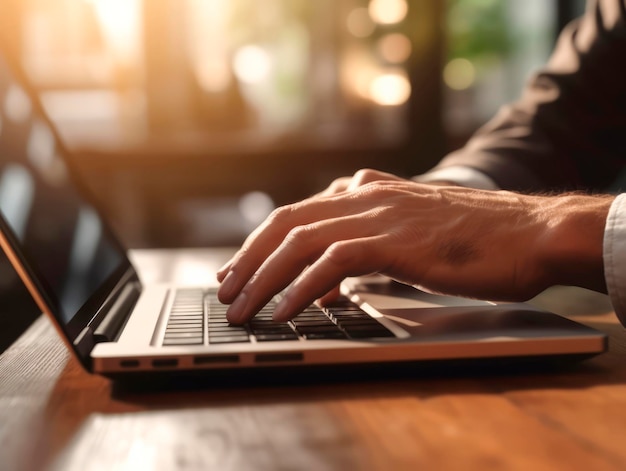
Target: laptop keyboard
x,y
197,317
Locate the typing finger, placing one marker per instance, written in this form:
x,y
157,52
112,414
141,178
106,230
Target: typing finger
x,y
329,297
302,247
267,237
342,259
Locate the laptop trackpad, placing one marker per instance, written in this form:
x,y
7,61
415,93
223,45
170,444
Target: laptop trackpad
x,y
424,314
384,294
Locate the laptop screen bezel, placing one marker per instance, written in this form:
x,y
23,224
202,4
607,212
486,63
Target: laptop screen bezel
x,y
23,262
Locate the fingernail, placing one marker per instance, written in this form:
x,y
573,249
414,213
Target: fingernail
x,y
236,311
227,286
224,270
280,312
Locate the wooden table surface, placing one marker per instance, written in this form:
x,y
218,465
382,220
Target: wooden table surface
x,y
54,415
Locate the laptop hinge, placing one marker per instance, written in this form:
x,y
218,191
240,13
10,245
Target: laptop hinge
x,y
110,326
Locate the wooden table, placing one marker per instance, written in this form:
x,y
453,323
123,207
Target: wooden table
x,y
53,415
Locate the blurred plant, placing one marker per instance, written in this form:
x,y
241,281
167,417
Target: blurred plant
x,y
478,29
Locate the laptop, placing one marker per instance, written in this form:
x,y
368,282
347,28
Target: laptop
x,y
81,277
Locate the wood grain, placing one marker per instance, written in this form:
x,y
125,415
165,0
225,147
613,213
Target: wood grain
x,y
53,415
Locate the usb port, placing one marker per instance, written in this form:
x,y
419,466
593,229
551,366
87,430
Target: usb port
x,y
278,357
209,360
165,363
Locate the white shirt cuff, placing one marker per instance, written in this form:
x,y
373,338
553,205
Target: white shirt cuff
x,y
464,176
614,253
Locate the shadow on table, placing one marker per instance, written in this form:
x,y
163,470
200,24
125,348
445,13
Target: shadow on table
x,y
384,380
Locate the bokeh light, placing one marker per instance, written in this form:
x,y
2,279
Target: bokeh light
x,y
252,64
388,12
359,23
255,207
459,74
390,89
394,48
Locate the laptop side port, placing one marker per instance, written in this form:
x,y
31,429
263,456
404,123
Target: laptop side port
x,y
278,357
164,363
129,363
214,359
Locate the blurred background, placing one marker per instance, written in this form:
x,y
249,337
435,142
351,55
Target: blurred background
x,y
191,119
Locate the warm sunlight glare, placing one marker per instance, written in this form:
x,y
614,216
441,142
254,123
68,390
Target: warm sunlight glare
x,y
120,22
388,12
390,89
252,64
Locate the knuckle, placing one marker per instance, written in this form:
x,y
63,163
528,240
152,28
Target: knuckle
x,y
365,175
300,235
339,182
280,215
340,253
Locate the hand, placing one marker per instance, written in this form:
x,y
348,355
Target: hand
x,y
352,183
340,185
482,244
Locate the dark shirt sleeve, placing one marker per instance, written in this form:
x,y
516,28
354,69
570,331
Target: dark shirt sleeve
x,y
568,129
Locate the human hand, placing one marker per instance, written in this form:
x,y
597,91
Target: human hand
x,y
459,241
351,183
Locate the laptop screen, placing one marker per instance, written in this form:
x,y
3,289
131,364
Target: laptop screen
x,y
60,234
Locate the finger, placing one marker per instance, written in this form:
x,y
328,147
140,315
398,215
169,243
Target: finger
x,y
342,259
266,238
223,271
337,186
330,297
302,247
253,252
360,178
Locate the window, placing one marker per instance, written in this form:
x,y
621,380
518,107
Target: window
x,y
493,47
229,73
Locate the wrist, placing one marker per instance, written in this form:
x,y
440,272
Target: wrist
x,y
573,240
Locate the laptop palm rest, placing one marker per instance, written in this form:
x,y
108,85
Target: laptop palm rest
x,y
434,317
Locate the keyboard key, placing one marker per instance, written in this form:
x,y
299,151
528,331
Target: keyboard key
x,y
372,333
230,339
314,323
226,333
195,341
185,322
196,313
337,334
276,336
188,335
